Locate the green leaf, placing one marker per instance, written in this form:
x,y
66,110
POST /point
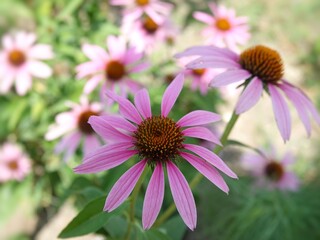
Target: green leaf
x,y
90,219
175,228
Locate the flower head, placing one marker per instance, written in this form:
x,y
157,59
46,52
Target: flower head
x,y
14,164
159,141
19,61
225,29
73,126
113,67
271,172
262,69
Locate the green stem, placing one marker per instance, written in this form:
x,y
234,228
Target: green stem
x,y
197,178
133,202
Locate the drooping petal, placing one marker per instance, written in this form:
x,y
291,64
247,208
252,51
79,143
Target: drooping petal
x,y
281,112
250,96
153,198
198,117
201,133
213,62
228,77
171,94
23,82
182,196
206,170
92,83
90,143
142,102
211,158
39,69
124,186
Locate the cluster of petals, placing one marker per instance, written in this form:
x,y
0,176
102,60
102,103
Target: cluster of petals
x,y
118,51
119,130
257,165
67,126
224,28
134,9
14,164
214,57
19,62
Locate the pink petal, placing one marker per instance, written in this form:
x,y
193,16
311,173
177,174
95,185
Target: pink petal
x,y
203,17
6,82
206,170
198,117
230,76
23,82
105,130
171,94
250,96
90,143
140,67
94,52
71,146
92,83
41,51
124,186
126,108
281,112
7,42
116,46
39,69
153,198
289,181
213,62
142,102
202,133
182,196
104,161
211,158
119,122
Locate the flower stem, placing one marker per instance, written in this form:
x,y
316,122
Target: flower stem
x,y
197,178
133,202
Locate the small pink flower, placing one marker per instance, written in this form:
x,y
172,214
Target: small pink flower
x,y
19,61
156,9
74,126
159,141
113,67
270,172
262,69
14,164
225,29
145,33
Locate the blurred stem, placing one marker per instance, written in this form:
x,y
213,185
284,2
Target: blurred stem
x,y
197,178
133,202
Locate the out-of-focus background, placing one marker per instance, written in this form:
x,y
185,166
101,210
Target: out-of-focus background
x,y
41,205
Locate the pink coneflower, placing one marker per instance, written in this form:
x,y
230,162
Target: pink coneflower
x,y
113,67
225,29
74,126
19,61
160,142
145,33
14,164
156,9
262,69
271,172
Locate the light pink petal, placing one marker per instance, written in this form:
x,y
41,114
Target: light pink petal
x,y
23,82
106,131
182,196
89,68
6,82
154,15
230,76
119,122
116,46
7,42
124,186
126,108
203,17
213,62
39,69
211,158
142,102
153,198
202,133
171,94
139,67
66,141
132,55
41,51
206,170
198,117
281,112
289,181
95,53
90,143
92,83
250,96
71,146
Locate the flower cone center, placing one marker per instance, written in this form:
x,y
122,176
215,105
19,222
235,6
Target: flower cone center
x,y
274,171
17,58
263,62
83,124
223,24
199,71
13,165
142,2
158,139
149,25
115,70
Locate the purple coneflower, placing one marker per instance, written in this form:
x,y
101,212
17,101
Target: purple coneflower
x,y
262,69
225,29
159,141
19,61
